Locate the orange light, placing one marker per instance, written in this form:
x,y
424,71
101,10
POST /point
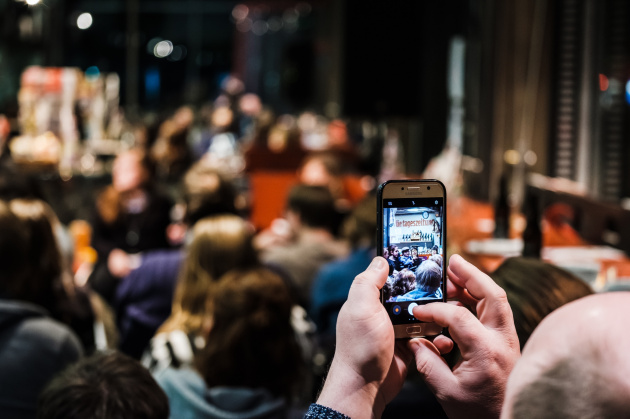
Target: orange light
x,y
603,83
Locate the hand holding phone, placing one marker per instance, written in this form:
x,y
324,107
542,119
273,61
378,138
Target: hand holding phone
x,y
411,227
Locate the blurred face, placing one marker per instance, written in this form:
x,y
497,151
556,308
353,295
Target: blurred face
x,y
314,173
414,252
433,252
385,253
395,252
128,173
406,253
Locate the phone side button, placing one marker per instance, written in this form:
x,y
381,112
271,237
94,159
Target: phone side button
x,y
414,330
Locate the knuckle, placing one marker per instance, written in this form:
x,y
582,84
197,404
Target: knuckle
x,y
461,314
424,367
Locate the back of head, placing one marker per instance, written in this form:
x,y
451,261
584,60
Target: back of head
x,y
405,282
534,289
314,205
206,193
44,258
13,253
428,276
437,258
575,364
103,386
251,342
219,244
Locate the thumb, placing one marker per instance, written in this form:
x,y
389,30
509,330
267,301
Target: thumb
x,y
431,366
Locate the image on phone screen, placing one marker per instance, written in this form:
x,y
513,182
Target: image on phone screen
x,y
413,232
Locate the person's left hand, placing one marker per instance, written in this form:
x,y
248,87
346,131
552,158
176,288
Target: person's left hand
x,y
368,370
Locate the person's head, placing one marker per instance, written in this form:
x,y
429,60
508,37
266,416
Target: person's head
x,y
393,251
435,249
219,244
387,291
251,342
414,252
103,386
320,169
132,170
428,276
14,242
405,282
405,251
534,289
575,364
206,193
437,259
313,206
44,266
385,252
359,227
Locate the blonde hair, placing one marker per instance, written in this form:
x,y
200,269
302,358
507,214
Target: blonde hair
x,y
219,244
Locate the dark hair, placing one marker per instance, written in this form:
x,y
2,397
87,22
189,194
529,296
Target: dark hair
x,y
315,206
387,291
206,193
251,341
103,386
435,247
405,282
428,276
534,289
13,252
43,283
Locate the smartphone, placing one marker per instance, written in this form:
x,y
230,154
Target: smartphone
x,y
411,236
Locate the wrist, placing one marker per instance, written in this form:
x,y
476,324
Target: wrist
x,y
347,392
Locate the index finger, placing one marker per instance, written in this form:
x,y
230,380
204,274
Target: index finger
x,y
492,308
465,329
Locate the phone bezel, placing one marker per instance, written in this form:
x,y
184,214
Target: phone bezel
x,y
400,188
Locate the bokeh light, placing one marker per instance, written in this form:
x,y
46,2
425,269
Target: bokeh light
x,y
84,21
240,12
163,49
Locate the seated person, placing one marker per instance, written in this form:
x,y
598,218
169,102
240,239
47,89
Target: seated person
x,y
103,386
405,258
251,363
394,257
219,243
33,346
428,281
417,260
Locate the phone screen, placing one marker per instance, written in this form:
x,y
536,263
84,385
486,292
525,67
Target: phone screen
x,y
413,244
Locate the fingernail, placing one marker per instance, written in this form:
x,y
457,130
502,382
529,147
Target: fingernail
x,y
377,264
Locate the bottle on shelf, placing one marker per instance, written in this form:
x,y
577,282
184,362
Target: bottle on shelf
x,y
502,211
532,236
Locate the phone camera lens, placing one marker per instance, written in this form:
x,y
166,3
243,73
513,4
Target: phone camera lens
x,y
428,187
402,188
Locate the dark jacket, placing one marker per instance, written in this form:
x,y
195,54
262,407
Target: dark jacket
x,y
33,348
144,299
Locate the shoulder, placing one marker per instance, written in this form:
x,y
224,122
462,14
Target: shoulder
x,y
169,349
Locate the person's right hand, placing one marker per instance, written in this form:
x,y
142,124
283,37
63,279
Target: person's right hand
x,y
488,343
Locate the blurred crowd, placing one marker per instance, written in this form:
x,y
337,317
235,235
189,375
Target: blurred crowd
x,y
180,300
